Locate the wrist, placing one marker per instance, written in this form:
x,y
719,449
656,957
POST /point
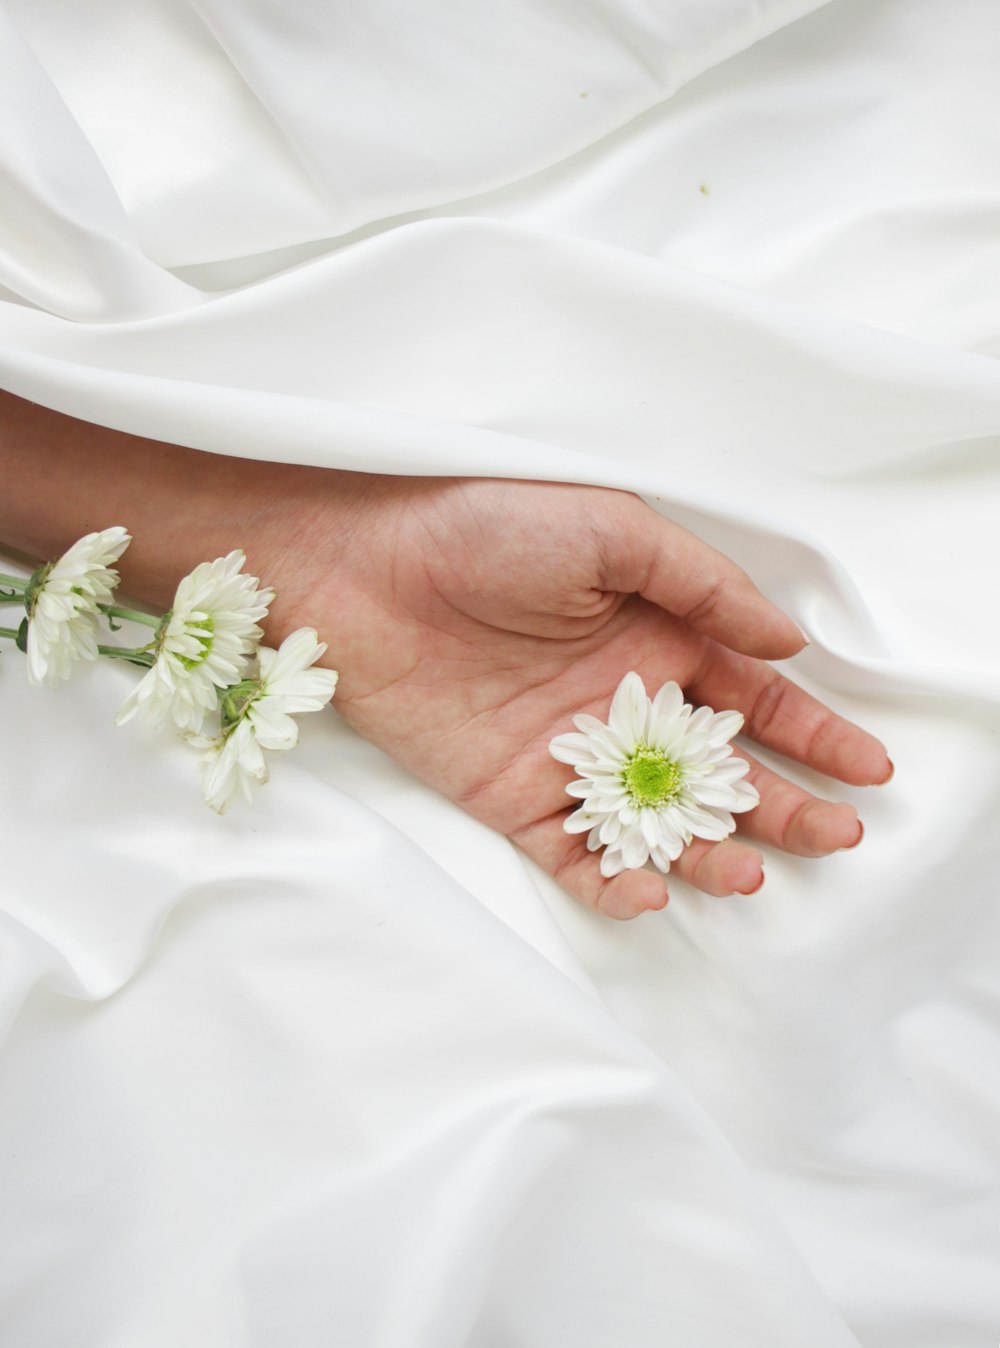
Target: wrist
x,y
308,534
64,478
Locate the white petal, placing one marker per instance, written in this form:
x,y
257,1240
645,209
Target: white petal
x,y
129,707
571,748
667,702
215,590
670,849
251,758
610,830
39,656
588,724
272,728
578,822
703,823
649,824
712,793
287,673
747,798
91,555
608,801
667,735
629,716
230,765
673,836
661,859
612,863
635,848
308,691
604,742
725,725
696,735
604,770
729,771
718,753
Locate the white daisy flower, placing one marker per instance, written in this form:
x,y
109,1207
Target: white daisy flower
x,y
656,776
229,764
62,599
257,715
201,645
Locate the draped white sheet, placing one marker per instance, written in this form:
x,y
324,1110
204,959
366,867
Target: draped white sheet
x,y
346,1069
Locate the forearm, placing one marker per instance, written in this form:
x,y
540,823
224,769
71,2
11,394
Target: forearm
x,y
63,478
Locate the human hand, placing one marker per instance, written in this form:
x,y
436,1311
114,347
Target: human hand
x,y
471,619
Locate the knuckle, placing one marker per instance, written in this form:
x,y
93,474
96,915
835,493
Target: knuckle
x,y
767,708
797,836
707,605
819,734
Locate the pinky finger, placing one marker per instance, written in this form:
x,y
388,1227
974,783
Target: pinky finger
x,y
721,868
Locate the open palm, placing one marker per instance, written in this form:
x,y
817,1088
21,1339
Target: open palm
x,y
476,617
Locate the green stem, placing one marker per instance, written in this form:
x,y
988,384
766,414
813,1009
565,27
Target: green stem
x,y
130,614
13,582
11,598
135,657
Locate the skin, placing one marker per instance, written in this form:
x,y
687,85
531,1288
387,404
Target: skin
x,y
470,620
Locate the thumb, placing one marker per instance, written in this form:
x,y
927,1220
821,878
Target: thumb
x,y
675,570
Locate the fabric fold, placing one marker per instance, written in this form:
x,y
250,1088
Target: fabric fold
x,y
348,1064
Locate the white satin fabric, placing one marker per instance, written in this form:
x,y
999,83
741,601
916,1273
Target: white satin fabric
x,y
345,1069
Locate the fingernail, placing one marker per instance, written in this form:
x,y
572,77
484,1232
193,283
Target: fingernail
x,y
892,773
857,841
805,639
755,888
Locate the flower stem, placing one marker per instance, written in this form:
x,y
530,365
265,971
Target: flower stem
x,y
135,657
9,632
13,583
129,614
11,598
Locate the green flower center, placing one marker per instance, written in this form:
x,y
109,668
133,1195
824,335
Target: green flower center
x,y
651,778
